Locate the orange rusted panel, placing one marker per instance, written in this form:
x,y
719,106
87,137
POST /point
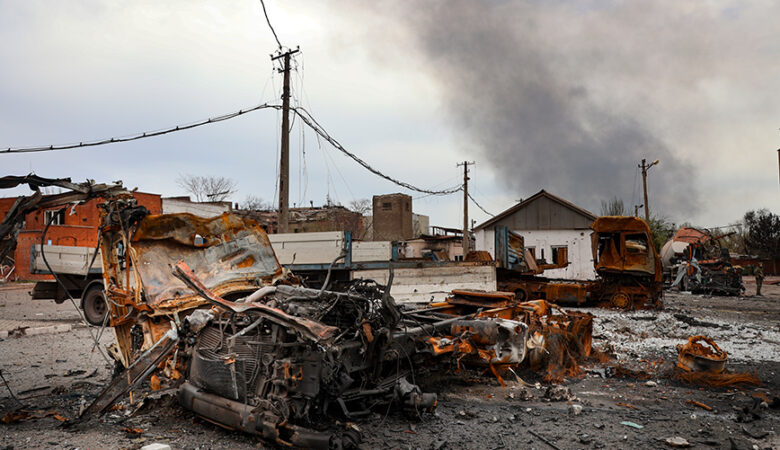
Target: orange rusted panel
x,y
697,357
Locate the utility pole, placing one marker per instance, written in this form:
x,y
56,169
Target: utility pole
x,y
466,237
645,167
636,210
284,163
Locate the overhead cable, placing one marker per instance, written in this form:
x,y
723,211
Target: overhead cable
x,y
314,125
265,13
480,206
138,136
302,113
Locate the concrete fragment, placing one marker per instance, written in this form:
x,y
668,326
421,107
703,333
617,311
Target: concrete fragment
x,y
156,446
677,442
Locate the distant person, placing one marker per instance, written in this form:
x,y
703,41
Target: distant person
x,y
758,271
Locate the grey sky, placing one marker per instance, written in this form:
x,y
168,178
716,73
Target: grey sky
x,y
565,96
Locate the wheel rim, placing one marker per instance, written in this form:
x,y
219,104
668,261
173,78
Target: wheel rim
x,y
95,308
621,300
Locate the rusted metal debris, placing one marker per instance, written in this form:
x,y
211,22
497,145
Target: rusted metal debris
x,y
537,334
203,306
695,261
629,273
700,361
628,266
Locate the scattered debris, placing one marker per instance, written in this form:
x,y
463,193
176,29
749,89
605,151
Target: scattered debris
x,y
627,405
557,394
632,425
22,415
543,439
156,446
699,404
677,442
706,365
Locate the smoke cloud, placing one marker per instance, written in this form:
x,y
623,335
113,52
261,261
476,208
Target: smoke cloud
x,y
520,88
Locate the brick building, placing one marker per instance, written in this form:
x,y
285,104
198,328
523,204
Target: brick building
x,y
78,229
392,219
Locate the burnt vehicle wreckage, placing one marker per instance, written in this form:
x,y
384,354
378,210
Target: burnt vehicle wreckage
x,y
203,307
629,273
694,260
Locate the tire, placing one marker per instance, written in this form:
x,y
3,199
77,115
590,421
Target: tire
x,y
94,305
521,295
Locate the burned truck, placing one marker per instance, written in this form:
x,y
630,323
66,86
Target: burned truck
x,y
201,307
694,260
628,268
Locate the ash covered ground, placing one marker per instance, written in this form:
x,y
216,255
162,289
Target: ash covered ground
x,y
58,373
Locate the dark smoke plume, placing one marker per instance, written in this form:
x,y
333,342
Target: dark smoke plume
x,y
528,116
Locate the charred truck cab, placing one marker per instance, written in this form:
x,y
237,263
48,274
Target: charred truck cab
x,y
627,264
203,305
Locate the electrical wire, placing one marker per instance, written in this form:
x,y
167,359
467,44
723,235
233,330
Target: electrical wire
x,y
480,206
314,125
265,13
137,136
65,288
301,112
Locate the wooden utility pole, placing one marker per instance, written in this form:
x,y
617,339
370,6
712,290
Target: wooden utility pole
x,y
284,162
466,236
645,167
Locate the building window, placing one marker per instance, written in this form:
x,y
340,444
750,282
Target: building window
x,y
458,257
387,206
532,251
407,206
560,255
56,217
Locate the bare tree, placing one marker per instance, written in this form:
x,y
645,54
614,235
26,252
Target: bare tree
x,y
255,203
361,206
207,189
613,207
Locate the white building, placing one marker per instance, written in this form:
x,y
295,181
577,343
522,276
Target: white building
x,y
554,230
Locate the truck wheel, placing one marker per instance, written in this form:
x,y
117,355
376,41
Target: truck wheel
x,y
521,295
94,305
621,300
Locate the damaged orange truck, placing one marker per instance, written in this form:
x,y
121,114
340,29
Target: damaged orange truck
x,y
629,273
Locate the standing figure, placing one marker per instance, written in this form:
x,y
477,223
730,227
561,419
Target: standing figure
x,y
758,271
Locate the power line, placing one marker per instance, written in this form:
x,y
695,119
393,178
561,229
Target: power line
x,y
138,136
265,13
314,125
302,113
480,207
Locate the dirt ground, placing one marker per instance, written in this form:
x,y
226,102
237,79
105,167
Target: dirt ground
x,y
599,409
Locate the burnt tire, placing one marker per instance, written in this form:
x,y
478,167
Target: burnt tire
x,y
521,295
94,306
